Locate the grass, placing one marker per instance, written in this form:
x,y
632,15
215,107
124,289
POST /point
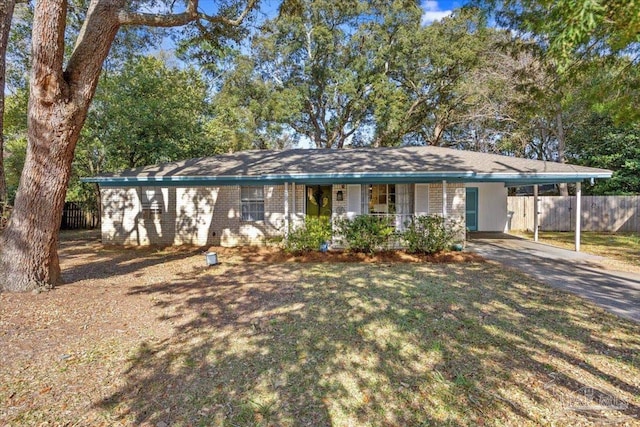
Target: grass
x,y
623,247
349,344
381,345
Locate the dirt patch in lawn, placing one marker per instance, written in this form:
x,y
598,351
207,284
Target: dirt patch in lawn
x,y
154,337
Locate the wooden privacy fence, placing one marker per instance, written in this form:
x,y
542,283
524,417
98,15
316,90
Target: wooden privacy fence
x,y
557,213
75,216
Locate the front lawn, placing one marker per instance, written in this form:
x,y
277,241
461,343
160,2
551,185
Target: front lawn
x,y
143,337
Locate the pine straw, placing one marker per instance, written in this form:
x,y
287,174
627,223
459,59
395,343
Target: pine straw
x,y
276,255
154,337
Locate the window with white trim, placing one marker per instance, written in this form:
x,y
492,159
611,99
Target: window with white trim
x,y
252,203
395,200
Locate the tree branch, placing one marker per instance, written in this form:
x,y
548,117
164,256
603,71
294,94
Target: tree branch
x,y
251,4
160,19
178,19
48,50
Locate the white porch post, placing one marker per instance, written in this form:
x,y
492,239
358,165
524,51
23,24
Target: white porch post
x,y
286,209
536,213
444,199
578,214
293,202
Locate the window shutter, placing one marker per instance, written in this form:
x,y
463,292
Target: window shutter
x,y
422,199
354,199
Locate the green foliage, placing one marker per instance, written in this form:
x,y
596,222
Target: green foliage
x,y
599,142
16,149
429,234
15,133
322,65
568,29
147,113
425,95
356,72
365,233
247,114
309,236
15,114
600,38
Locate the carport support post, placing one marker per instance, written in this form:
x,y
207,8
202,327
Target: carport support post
x,y
536,213
444,199
578,213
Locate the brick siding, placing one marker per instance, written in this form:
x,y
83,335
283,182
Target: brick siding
x,y
212,215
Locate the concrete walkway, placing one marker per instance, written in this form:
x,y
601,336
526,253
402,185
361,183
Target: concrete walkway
x,y
576,272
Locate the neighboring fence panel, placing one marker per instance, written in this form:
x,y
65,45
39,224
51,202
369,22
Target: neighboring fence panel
x,y
557,213
75,216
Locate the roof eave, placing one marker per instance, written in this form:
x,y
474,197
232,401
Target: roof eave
x,y
323,178
510,179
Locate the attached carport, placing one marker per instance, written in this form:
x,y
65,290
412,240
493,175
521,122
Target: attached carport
x,y
560,180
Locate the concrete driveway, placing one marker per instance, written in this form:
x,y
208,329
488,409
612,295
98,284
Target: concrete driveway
x,y
576,272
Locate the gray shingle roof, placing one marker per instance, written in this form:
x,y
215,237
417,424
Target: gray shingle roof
x,y
361,163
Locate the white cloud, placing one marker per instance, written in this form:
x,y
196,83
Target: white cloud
x,y
432,12
430,5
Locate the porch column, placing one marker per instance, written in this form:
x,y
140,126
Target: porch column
x,y
293,202
578,214
536,211
444,199
286,209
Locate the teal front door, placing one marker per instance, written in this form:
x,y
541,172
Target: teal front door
x,y
472,208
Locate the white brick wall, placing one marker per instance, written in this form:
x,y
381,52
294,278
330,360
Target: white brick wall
x,y
212,215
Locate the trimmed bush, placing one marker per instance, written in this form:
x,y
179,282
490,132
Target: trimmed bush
x,y
310,236
365,233
428,234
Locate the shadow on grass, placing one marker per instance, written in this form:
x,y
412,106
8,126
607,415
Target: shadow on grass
x,y
376,344
110,262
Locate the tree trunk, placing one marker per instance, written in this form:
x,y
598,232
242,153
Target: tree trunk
x,y
6,14
58,104
29,244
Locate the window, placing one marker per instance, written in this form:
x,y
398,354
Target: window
x,y
252,203
382,199
394,200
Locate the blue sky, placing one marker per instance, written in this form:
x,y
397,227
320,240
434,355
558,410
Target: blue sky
x,y
435,10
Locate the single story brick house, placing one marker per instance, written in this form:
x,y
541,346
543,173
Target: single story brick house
x,y
248,197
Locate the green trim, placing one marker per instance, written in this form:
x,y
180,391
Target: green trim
x,y
342,178
510,179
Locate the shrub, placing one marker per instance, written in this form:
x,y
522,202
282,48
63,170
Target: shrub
x,y
429,234
365,233
310,236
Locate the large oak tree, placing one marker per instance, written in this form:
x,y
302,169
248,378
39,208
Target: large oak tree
x,y
60,94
